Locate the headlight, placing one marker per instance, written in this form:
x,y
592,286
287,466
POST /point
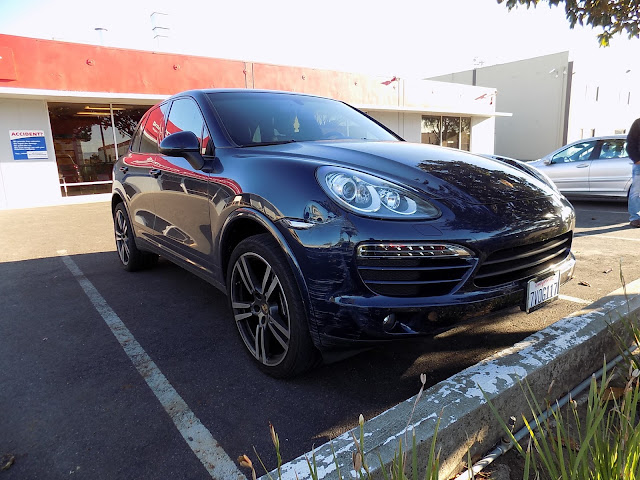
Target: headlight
x,y
372,196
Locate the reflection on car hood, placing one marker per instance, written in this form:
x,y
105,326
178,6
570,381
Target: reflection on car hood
x,y
440,172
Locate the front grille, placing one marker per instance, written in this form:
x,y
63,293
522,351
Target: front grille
x,y
413,269
519,263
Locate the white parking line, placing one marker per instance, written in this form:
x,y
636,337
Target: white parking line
x,y
197,436
623,238
622,212
586,234
575,299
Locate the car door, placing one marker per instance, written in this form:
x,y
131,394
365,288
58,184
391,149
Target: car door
x,y
569,168
610,171
183,225
138,166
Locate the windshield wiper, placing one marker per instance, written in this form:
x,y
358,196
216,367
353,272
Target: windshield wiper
x,y
264,144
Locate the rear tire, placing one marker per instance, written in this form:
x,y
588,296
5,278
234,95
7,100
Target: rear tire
x,y
268,309
131,258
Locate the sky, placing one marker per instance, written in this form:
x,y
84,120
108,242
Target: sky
x,y
403,38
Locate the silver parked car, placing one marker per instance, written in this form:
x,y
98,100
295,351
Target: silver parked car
x,y
591,167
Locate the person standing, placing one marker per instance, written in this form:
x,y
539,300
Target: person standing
x,y
633,149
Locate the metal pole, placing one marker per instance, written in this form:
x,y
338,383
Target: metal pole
x,y
113,129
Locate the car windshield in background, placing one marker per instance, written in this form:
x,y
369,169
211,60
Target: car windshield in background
x,y
576,152
264,119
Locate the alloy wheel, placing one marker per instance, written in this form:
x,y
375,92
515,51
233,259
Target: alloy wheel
x,y
260,309
121,228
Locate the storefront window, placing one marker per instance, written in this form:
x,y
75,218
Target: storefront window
x,y
451,132
431,127
454,132
85,144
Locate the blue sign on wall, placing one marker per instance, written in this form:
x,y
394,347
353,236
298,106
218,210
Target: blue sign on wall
x,y
28,144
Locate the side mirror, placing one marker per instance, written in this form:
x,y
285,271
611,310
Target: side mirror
x,y
547,161
183,144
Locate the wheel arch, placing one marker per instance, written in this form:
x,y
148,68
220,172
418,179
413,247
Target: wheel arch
x,y
244,223
116,198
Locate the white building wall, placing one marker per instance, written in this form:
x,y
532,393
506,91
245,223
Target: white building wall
x,y
390,120
465,78
3,196
407,125
26,183
412,127
483,135
605,98
534,90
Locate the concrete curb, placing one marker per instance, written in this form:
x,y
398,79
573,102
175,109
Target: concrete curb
x,y
566,352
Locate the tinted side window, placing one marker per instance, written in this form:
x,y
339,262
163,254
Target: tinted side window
x,y
574,153
153,130
614,148
185,116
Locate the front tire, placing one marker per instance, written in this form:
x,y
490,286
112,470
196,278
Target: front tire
x,y
130,257
268,308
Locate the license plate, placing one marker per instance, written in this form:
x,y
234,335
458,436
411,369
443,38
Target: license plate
x,y
542,291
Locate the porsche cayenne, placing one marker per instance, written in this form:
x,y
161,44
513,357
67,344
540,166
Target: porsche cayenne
x,y
326,230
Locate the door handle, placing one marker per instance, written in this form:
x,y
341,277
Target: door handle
x,y
124,169
582,165
155,172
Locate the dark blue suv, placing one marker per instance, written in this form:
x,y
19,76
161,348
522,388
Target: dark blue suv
x,y
326,230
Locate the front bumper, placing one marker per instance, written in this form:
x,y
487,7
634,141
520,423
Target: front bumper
x,y
372,319
353,299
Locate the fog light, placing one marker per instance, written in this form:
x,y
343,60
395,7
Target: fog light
x,y
389,321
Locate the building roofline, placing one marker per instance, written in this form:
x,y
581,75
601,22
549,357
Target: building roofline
x,y
78,96
436,110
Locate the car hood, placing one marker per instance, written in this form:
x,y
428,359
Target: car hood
x,y
439,172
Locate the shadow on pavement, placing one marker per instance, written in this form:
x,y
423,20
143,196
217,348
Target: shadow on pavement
x,y
184,324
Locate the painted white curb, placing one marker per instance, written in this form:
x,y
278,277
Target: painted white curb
x,y
566,352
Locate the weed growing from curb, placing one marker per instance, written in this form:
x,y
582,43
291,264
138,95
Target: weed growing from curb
x,y
604,445
397,470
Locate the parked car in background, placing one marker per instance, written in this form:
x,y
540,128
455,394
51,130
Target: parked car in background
x,y
593,167
325,229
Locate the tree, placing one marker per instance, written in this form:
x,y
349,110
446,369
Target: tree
x,y
613,16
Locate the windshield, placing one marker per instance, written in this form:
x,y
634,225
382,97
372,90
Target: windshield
x,y
262,118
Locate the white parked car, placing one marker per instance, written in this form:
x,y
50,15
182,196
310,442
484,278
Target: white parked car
x,y
592,167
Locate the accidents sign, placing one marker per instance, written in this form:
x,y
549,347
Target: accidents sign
x,y
28,144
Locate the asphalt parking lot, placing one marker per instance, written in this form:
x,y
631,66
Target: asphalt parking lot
x,y
77,399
